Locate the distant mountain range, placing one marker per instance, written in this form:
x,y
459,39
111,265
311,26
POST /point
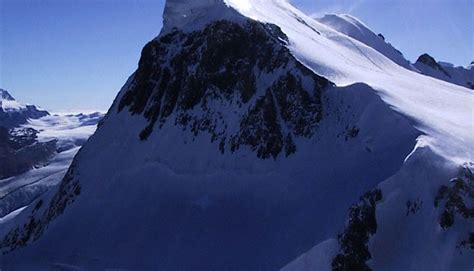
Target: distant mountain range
x,y
13,113
36,148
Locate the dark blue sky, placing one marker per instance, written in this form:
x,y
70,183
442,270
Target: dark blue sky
x,y
74,55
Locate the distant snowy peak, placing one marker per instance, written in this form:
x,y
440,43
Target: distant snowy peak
x,y
8,103
427,65
192,14
4,95
356,29
14,113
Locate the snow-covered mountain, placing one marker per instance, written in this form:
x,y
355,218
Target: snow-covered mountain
x,y
241,142
463,76
427,65
13,113
354,28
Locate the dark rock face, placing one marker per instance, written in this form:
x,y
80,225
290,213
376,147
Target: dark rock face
x,y
431,62
4,95
354,241
454,199
413,206
470,85
468,243
229,64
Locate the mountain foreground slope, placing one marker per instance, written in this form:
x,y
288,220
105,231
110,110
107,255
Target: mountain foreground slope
x,y
241,141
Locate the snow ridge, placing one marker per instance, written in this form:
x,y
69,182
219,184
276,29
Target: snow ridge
x,y
346,61
356,29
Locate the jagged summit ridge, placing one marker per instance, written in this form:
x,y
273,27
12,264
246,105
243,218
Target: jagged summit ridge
x,y
178,13
188,15
244,64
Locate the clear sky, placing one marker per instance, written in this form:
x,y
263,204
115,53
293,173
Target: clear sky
x,y
74,55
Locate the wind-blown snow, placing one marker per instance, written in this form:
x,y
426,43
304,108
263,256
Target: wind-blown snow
x,y
442,111
354,28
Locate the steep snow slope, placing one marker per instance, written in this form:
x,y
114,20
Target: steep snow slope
x,y
247,161
208,210
423,221
356,29
427,65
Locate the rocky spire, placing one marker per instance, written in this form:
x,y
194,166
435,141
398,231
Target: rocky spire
x,y
4,95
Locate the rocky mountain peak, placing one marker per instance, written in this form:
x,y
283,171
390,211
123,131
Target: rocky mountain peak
x,y
428,60
192,79
4,95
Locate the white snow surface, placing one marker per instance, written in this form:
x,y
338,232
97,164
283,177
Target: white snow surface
x,y
11,105
354,28
443,111
69,130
